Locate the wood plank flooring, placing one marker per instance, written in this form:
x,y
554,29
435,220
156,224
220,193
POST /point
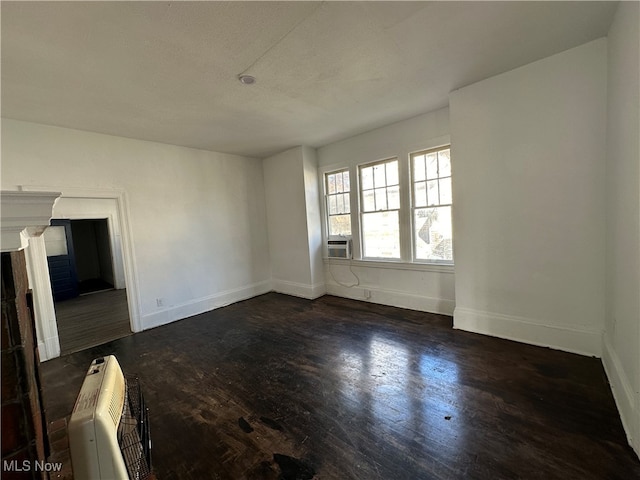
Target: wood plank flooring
x,y
278,387
93,319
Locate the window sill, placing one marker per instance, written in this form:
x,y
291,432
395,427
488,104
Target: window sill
x,y
392,265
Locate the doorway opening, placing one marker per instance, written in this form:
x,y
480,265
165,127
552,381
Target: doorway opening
x,y
90,303
94,262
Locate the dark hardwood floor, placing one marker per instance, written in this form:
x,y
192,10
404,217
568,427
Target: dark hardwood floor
x,y
281,387
92,319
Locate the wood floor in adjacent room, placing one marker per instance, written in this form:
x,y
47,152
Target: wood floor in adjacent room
x,y
281,387
92,319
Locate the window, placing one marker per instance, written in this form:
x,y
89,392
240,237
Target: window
x,y
404,207
431,193
337,190
380,209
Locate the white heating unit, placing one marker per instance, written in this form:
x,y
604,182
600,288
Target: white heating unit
x,y
109,428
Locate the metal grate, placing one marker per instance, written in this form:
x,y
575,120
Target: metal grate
x,y
133,433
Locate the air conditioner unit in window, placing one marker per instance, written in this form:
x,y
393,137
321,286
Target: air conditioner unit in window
x,y
339,248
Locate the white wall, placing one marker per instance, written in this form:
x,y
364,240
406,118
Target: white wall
x,y
529,204
621,351
419,287
293,217
198,220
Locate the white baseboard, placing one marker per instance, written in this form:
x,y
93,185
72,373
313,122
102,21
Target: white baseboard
x,y
622,393
206,304
49,349
393,298
299,289
521,329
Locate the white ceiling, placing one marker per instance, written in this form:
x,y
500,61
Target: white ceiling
x,y
167,71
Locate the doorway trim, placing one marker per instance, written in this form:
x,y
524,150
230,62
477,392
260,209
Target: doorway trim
x,y
128,253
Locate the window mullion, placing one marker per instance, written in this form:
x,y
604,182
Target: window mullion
x,y
404,187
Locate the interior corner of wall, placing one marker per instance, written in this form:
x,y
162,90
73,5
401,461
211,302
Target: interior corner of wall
x,y
623,393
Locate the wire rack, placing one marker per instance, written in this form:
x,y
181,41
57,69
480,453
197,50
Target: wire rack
x,y
134,436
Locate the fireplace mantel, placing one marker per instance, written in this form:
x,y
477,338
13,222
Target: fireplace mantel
x,y
24,210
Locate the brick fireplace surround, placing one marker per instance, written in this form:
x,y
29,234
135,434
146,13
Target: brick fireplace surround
x,y
23,435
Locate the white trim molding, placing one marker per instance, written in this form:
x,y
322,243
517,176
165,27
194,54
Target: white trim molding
x,y
205,304
393,298
21,210
303,290
521,329
392,265
44,311
128,252
25,215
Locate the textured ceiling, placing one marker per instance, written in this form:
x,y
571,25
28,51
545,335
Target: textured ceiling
x,y
167,71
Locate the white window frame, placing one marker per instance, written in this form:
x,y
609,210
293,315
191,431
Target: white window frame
x,y
361,211
326,207
412,210
403,155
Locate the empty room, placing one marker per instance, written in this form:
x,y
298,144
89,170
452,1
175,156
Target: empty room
x,y
320,240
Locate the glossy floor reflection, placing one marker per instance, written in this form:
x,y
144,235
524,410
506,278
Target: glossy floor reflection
x,y
358,391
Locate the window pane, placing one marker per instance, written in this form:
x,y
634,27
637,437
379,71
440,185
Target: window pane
x,y
393,197
368,201
381,234
340,225
333,206
420,197
432,192
381,198
338,207
346,202
433,239
444,160
339,188
331,184
445,190
392,173
418,168
432,165
367,178
379,177
55,241
345,182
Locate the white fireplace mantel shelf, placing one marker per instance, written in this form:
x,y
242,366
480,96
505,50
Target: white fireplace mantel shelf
x,y
24,210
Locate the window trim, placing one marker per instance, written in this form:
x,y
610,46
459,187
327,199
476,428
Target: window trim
x,y
393,265
362,157
327,210
412,206
361,212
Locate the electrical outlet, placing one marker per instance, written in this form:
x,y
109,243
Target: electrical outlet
x,y
159,302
